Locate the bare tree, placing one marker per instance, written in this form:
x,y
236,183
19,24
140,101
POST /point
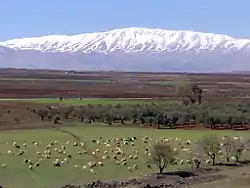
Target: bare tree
x,y
239,145
210,145
227,147
162,156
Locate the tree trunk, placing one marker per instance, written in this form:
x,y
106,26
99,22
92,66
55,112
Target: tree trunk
x,y
161,170
213,159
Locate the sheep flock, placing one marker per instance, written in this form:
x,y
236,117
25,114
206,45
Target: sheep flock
x,y
128,154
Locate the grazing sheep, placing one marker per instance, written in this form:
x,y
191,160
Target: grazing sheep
x,y
82,144
97,150
149,166
66,160
38,153
233,158
135,151
115,157
129,169
63,147
174,149
3,165
21,153
135,166
76,166
67,142
181,162
93,153
46,156
84,167
130,157
135,157
75,144
187,142
30,167
188,161
124,163
48,146
79,153
9,152
105,152
26,160
108,145
56,164
92,171
24,145
37,164
208,161
69,156
235,138
91,164
100,163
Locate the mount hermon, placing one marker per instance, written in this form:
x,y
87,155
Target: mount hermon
x,y
129,49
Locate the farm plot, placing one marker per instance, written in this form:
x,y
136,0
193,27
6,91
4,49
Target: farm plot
x,y
50,158
90,101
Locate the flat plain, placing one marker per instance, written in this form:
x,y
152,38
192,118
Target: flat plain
x,y
23,90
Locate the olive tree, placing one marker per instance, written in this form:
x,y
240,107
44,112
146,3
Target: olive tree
x,y
162,155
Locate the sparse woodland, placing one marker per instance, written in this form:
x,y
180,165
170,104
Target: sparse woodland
x,y
190,110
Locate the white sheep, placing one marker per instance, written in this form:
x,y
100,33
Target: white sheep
x,y
30,167
135,157
92,171
100,163
3,165
84,167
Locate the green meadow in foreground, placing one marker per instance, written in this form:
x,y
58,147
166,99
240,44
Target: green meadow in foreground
x,y
44,147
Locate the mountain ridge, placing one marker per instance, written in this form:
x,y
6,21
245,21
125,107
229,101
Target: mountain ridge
x,y
129,49
130,40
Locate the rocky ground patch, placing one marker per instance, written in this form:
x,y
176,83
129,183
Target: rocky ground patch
x,y
180,179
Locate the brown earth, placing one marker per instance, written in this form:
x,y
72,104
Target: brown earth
x,y
21,83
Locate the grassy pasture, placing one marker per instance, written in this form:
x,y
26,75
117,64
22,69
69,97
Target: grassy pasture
x,y
46,175
89,101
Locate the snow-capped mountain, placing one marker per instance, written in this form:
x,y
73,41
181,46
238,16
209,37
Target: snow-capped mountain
x,y
129,49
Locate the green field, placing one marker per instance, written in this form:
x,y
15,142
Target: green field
x,y
90,101
57,80
18,175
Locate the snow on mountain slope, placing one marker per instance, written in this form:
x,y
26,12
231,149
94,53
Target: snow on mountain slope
x,y
129,49
131,40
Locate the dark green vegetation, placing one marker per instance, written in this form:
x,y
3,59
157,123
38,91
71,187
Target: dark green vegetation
x,y
175,115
